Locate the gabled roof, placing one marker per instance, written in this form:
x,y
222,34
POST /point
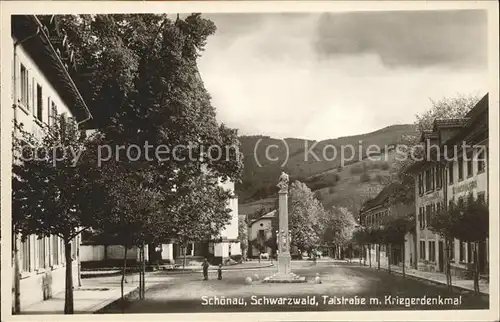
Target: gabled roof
x,y
382,197
270,215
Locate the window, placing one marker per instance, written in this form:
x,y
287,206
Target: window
x,y
462,252
450,173
470,256
438,208
420,184
428,210
432,251
428,180
470,169
422,249
481,161
24,86
460,170
41,253
433,178
55,250
53,114
438,177
39,103
452,251
421,217
25,255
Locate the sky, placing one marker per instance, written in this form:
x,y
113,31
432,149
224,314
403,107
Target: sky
x,y
326,75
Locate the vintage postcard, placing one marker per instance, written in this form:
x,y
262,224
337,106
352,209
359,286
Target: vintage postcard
x,y
222,160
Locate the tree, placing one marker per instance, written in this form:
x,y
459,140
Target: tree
x,y
200,213
139,74
472,226
396,227
243,236
360,238
305,211
55,194
409,147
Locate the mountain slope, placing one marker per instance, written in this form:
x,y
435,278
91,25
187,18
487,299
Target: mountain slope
x,y
309,161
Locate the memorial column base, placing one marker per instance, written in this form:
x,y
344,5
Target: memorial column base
x,y
284,274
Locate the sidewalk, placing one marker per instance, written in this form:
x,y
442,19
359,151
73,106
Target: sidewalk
x,y
93,295
434,277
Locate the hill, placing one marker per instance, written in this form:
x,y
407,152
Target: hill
x,y
318,163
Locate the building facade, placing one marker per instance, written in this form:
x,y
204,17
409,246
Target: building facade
x,y
259,231
455,166
373,213
42,89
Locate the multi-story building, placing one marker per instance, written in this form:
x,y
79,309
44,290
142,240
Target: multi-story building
x,y
454,166
372,214
41,89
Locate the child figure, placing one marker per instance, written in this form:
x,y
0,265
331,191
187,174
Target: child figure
x,y
219,272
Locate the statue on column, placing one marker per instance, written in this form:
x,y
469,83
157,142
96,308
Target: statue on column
x,y
283,182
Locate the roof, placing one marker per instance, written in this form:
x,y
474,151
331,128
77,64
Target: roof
x,y
382,197
43,53
269,215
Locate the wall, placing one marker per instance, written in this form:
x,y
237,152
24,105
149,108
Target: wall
x,y
96,252
230,231
36,287
38,283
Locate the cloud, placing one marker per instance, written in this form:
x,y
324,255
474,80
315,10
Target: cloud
x,y
267,76
407,38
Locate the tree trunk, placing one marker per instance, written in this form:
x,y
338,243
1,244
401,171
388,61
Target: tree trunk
x,y
476,264
143,271
17,274
140,272
68,297
447,263
378,256
389,256
184,259
123,278
370,254
404,259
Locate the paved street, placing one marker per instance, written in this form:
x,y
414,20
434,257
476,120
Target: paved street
x,y
346,282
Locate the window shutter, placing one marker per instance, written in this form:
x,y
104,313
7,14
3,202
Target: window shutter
x,y
49,111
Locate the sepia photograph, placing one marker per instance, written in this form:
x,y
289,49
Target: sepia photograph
x,y
181,159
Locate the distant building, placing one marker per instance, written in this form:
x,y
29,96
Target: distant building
x,y
259,231
218,250
372,214
42,89
444,176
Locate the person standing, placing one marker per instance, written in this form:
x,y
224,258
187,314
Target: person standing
x,y
205,266
219,272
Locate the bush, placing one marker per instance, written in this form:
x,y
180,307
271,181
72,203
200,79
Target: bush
x,y
331,190
365,177
385,166
357,169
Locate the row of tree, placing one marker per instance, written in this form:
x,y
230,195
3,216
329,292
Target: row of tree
x,y
139,76
467,222
311,226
